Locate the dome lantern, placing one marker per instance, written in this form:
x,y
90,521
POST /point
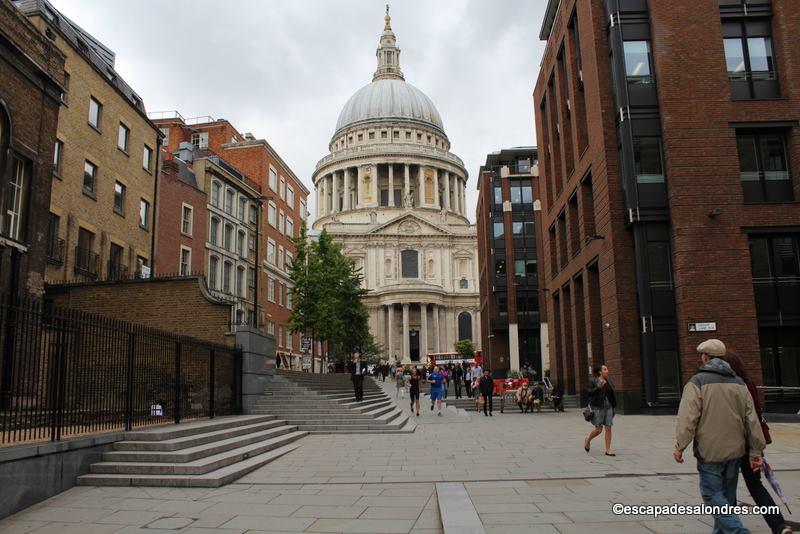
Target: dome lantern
x,y
388,54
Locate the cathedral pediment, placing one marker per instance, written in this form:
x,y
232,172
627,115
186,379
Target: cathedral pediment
x,y
409,224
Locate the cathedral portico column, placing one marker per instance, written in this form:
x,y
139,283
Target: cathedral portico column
x,y
447,190
437,335
335,191
390,332
323,190
423,331
421,186
443,345
391,185
406,336
406,180
347,197
359,186
375,190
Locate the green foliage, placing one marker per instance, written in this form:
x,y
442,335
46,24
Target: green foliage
x,y
327,296
465,348
513,374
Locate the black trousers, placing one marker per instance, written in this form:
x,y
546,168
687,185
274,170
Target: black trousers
x,y
487,402
458,388
761,496
468,387
358,386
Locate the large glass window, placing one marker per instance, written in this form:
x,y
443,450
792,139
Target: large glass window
x,y
119,198
764,167
122,137
15,202
89,177
213,267
637,61
409,264
648,160
58,157
144,213
187,220
498,229
95,110
750,58
498,195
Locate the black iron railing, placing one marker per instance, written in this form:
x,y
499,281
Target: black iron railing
x,y
87,263
55,251
66,373
117,271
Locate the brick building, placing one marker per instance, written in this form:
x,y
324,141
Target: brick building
x,y
31,77
284,207
670,208
507,214
100,222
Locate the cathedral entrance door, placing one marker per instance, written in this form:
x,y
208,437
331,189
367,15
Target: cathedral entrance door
x,y
413,345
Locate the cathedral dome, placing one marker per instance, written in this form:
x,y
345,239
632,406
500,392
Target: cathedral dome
x,y
389,99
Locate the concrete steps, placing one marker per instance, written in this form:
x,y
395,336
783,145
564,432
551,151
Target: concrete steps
x,y
324,404
199,454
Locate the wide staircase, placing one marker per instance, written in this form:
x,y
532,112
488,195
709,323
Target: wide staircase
x,y
324,404
208,453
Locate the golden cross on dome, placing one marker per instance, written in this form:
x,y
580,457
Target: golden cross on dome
x,y
388,19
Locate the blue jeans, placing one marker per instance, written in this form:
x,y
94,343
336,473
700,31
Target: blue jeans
x,y
718,488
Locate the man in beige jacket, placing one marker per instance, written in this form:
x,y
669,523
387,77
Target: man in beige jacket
x,y
717,413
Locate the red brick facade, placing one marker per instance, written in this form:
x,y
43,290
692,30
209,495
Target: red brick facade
x,y
590,258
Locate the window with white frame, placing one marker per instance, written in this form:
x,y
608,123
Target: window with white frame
x,y
303,209
216,187
280,293
271,251
283,189
185,261
123,137
272,211
289,227
213,268
228,237
95,112
281,219
279,337
213,236
273,179
271,289
289,259
280,257
290,196
227,273
242,208
200,140
230,195
187,219
253,213
271,328
240,240
288,298
147,158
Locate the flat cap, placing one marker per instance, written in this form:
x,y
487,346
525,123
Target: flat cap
x,y
712,347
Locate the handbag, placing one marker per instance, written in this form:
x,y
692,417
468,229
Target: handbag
x,y
587,413
765,430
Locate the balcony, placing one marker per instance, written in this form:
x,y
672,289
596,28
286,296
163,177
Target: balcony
x,y
55,251
86,262
117,271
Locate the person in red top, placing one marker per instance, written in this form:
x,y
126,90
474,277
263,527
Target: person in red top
x,y
752,478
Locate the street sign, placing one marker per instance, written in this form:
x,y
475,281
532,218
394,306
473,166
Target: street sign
x,y
702,327
305,343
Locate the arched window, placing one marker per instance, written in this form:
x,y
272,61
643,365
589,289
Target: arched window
x,y
214,233
228,237
215,191
213,268
409,264
464,326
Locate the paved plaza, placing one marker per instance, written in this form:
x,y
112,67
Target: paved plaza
x,y
522,473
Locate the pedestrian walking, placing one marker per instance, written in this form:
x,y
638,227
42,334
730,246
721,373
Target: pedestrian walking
x,y
436,380
557,396
486,389
468,380
602,402
458,377
357,372
446,373
752,479
399,384
718,415
413,389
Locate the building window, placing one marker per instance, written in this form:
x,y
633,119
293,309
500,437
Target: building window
x,y
185,261
280,257
498,195
58,157
115,267
271,328
14,212
242,213
764,166
240,281
95,111
360,137
251,242
227,272
289,258
637,62
119,198
229,197
648,160
289,339
165,133
272,214
213,267
241,238
290,197
280,294
289,227
215,190
464,325
271,252
372,135
281,219
54,245
521,193
84,256
254,213
89,177
65,92
187,220
271,289
147,158
122,137
282,191
750,58
498,230
409,261
214,232
228,237
273,179
303,209
200,140
144,214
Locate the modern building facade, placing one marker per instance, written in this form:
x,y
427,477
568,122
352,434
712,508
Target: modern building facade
x,y
103,187
394,195
513,328
670,208
281,206
31,81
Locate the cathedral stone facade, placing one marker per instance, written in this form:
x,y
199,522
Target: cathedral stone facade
x,y
395,196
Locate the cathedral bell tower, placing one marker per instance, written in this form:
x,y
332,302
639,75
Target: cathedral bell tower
x,y
388,54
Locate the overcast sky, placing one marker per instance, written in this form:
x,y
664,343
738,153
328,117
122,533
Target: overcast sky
x,y
284,69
